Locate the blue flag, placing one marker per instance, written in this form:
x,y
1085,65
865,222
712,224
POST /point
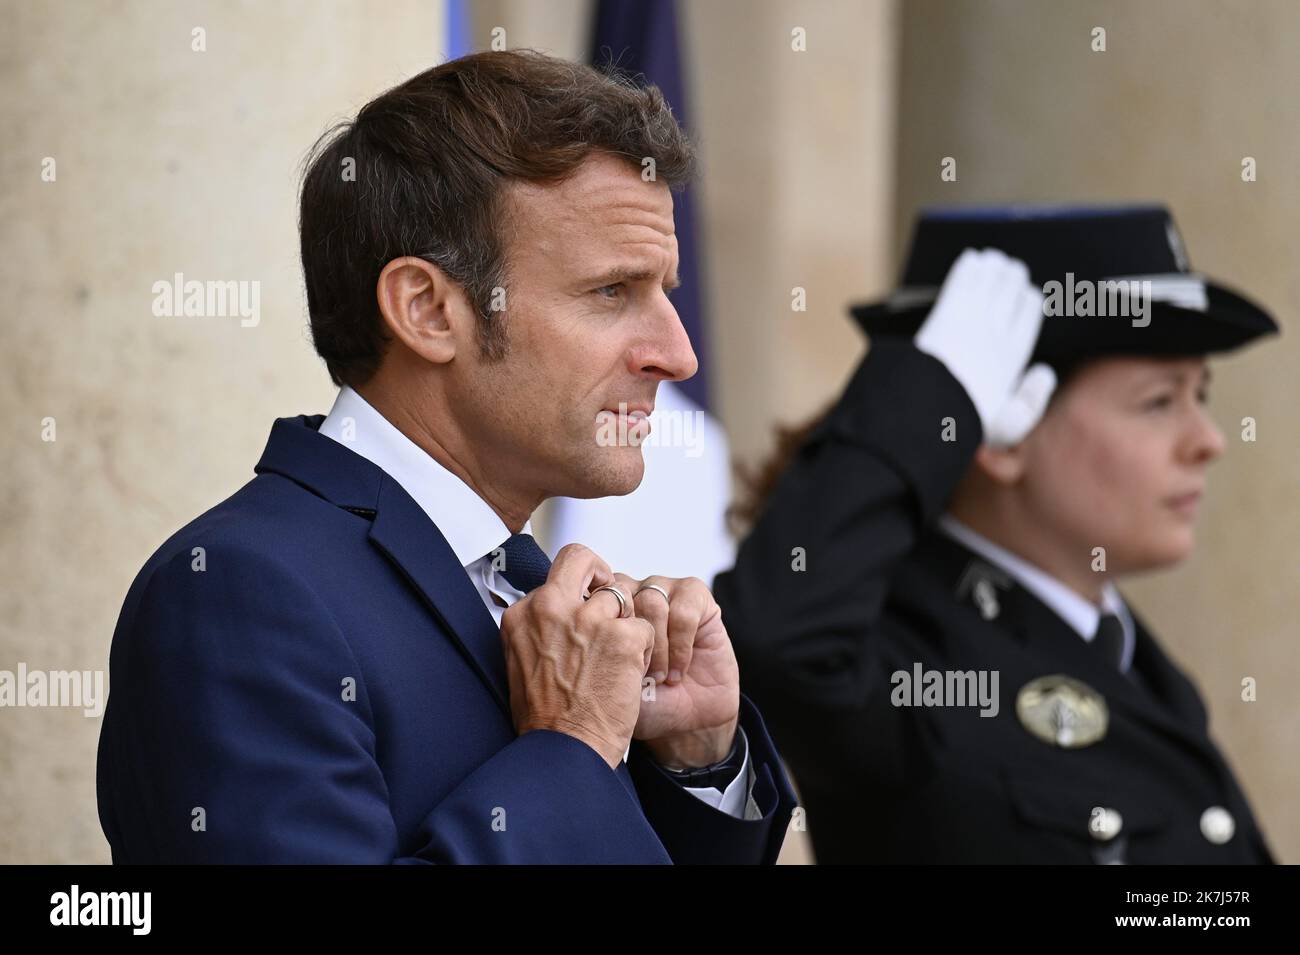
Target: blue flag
x,y
458,41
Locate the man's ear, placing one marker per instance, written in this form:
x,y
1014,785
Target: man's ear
x,y
1004,466
425,309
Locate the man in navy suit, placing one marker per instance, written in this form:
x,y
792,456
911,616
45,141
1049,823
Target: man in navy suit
x,y
362,655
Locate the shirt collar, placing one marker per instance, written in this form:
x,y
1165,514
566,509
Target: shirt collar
x,y
1081,614
466,521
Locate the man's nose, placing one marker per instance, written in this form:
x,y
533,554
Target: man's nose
x,y
670,355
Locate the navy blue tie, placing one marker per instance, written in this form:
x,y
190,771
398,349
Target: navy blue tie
x,y
526,564
1109,640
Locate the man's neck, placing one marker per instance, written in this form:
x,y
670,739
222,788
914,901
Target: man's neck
x,y
514,508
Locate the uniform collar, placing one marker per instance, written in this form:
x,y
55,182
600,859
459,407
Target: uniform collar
x,y
470,526
1081,614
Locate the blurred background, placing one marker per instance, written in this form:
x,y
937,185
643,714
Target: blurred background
x,y
144,139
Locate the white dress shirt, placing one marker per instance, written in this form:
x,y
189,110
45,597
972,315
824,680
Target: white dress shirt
x,y
1082,615
472,529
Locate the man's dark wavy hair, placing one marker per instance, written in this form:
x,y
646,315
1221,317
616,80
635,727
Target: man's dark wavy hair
x,y
430,159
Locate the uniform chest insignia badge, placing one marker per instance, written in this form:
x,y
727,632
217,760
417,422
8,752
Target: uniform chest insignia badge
x,y
1062,711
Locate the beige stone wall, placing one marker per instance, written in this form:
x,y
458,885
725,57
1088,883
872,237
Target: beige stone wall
x,y
167,160
1184,91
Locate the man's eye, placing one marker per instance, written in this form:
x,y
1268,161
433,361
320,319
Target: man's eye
x,y
609,291
1159,403
1203,397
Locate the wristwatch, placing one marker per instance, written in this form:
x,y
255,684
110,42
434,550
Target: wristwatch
x,y
718,775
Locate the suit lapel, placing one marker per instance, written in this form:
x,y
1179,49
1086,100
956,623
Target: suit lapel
x,y
414,544
401,530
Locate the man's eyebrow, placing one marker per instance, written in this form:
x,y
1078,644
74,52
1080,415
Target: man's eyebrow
x,y
627,274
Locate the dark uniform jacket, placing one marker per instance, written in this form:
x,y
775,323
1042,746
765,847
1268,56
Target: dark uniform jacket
x,y
880,591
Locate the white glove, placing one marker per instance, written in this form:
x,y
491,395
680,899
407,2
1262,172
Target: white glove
x,y
983,328
1025,408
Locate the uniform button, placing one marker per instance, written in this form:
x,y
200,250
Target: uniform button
x,y
1217,825
1104,824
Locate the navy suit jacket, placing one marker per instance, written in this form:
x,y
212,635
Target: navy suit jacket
x,y
322,683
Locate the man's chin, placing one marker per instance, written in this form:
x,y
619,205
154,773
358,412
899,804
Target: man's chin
x,y
614,475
